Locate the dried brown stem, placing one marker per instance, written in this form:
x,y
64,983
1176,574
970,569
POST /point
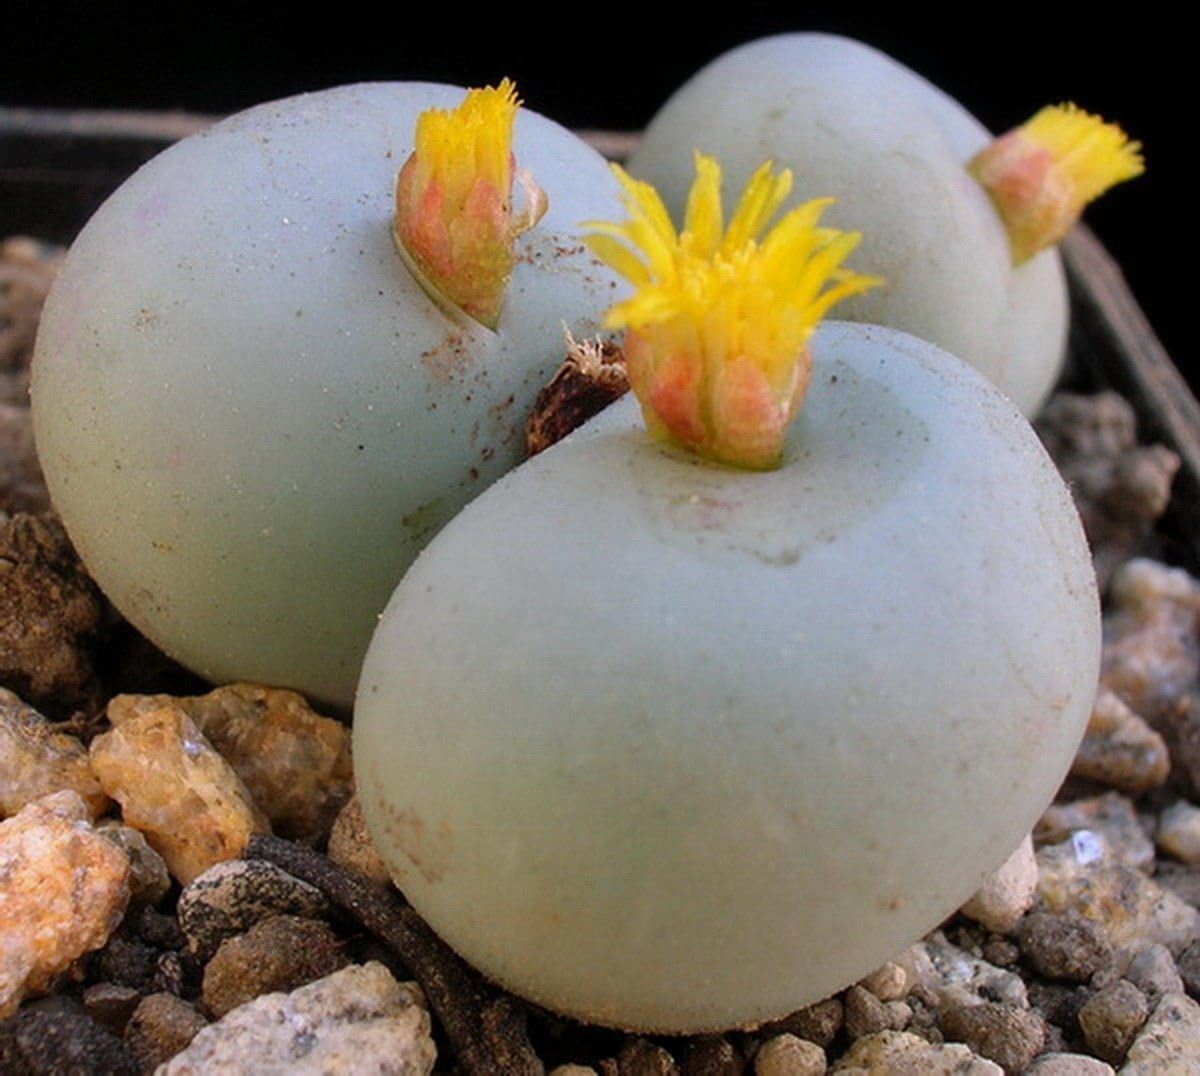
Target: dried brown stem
x,y
485,1026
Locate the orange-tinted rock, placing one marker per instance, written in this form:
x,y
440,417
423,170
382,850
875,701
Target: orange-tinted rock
x,y
37,760
294,762
63,890
172,785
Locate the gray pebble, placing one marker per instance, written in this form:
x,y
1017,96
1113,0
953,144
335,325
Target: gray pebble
x,y
231,897
1153,971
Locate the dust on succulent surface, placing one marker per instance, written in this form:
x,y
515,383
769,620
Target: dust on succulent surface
x,y
1088,944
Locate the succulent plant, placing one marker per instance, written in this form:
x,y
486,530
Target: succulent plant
x,y
252,413
959,224
675,745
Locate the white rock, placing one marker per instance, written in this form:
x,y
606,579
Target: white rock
x,y
359,1020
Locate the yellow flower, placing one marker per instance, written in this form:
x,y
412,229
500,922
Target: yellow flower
x,y
455,225
1041,175
718,326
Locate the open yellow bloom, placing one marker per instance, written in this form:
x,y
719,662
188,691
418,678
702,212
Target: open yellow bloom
x,y
455,224
1041,175
718,326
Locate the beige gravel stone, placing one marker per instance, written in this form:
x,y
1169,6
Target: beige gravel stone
x,y
294,762
1110,1019
1151,654
1110,816
1130,908
888,982
359,1020
63,890
1179,832
900,1053
1007,893
350,844
787,1055
1169,1041
1119,749
572,1070
173,786
1063,1064
37,760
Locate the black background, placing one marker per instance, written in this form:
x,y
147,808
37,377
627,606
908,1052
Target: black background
x,y
595,65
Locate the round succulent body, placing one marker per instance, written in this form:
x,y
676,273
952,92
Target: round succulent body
x,y
674,747
892,148
250,414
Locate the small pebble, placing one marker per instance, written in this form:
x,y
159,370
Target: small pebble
x,y
358,1020
888,982
902,1052
1111,1018
865,1013
1065,1064
1006,1034
1189,968
63,890
1130,909
1007,893
1119,749
58,1038
126,961
278,954
1111,816
149,879
1151,654
572,1070
788,1055
110,1004
36,759
231,897
1169,1041
294,763
174,787
350,844
1153,971
952,976
160,1027
711,1055
1065,947
1119,486
51,618
1179,832
819,1022
641,1057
